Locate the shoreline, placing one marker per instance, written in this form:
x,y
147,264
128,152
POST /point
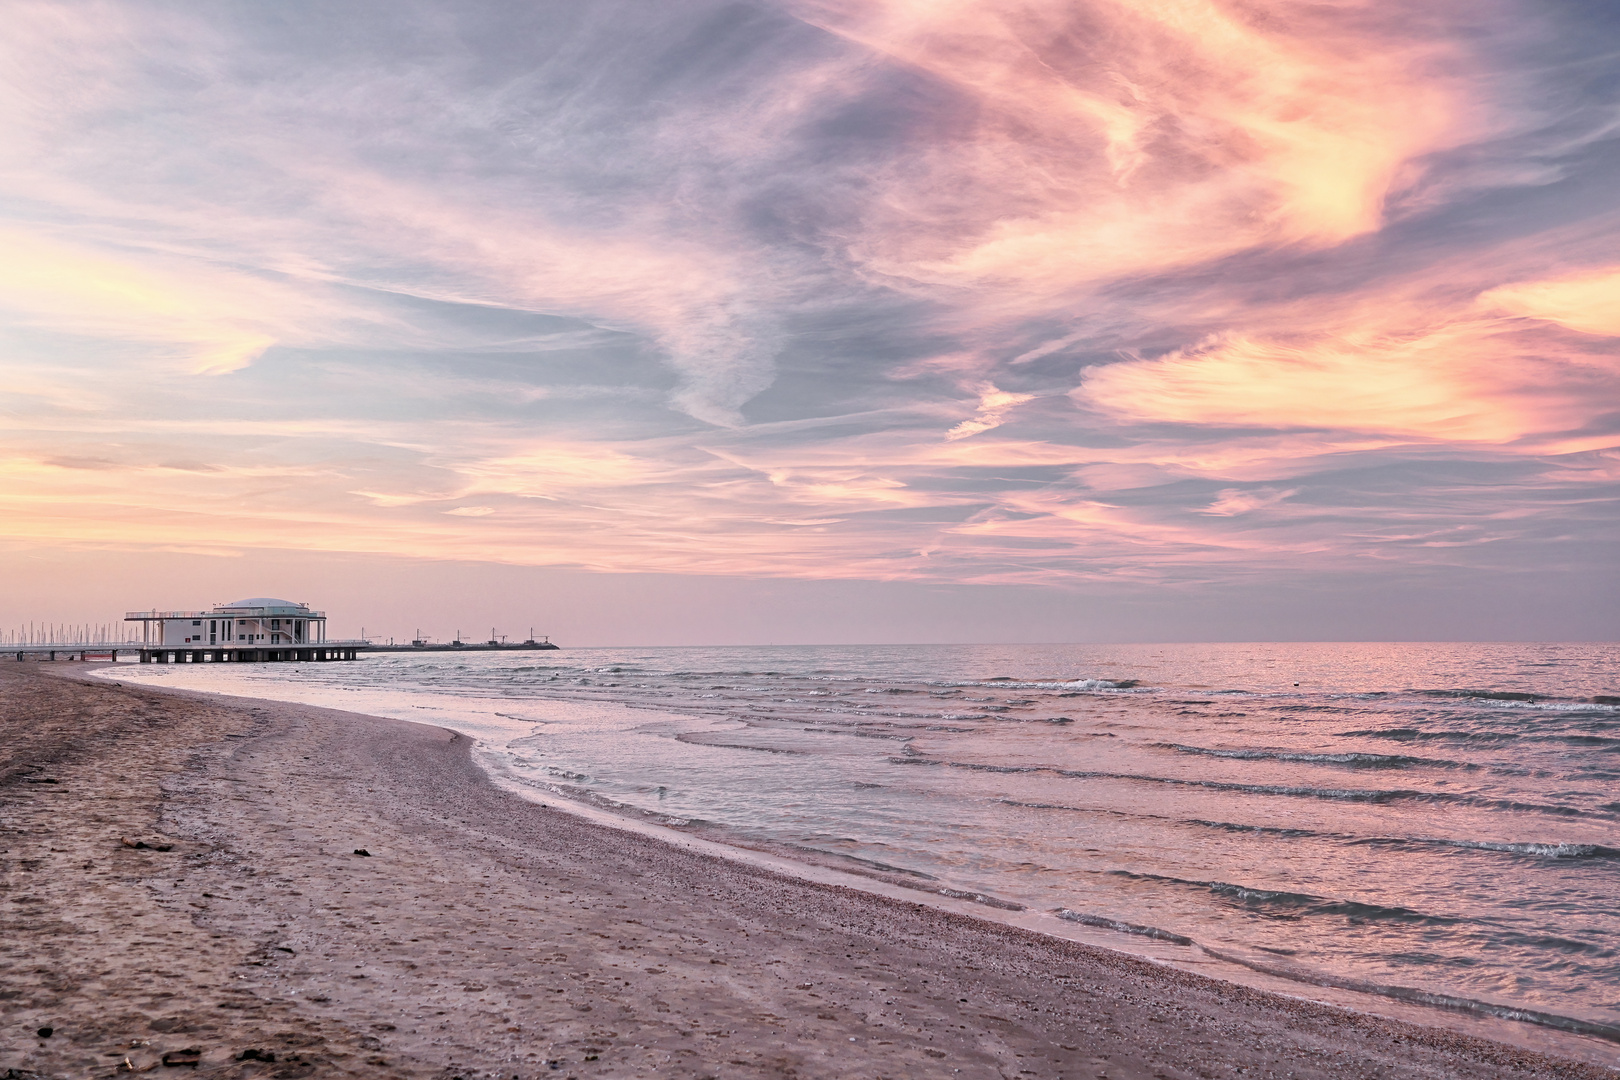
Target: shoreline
x,y
693,964
1523,1026
1530,1029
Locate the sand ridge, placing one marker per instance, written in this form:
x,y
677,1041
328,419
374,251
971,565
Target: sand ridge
x,y
486,936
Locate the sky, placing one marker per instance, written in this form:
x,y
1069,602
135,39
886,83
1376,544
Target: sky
x,y
817,320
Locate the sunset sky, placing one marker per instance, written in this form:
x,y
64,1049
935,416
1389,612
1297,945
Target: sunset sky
x,y
812,320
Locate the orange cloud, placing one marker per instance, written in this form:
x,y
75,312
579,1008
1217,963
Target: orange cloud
x,y
1588,302
1458,382
213,320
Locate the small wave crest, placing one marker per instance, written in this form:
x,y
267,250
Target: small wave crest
x,y
1417,735
1487,695
1284,903
1538,850
1085,685
1350,759
1375,796
1123,927
1532,849
1261,830
1600,703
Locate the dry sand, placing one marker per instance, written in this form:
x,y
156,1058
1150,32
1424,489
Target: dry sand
x,y
487,936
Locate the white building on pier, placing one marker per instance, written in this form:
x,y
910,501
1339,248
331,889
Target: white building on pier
x,y
260,628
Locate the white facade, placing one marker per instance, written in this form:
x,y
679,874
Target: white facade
x,y
256,623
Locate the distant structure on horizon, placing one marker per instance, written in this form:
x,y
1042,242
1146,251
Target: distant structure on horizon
x,y
260,628
494,644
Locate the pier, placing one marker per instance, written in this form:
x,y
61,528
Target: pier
x,y
70,650
329,650
109,650
259,630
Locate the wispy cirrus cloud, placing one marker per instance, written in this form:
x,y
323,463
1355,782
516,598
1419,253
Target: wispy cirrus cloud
x,y
1120,137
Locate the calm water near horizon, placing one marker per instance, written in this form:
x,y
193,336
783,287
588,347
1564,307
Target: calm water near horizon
x,y
1438,818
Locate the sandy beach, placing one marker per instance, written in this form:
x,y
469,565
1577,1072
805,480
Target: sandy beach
x,y
182,884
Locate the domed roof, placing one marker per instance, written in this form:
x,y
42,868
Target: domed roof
x,y
262,601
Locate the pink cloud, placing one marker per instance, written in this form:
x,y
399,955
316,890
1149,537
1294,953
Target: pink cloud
x,y
1232,502
1136,136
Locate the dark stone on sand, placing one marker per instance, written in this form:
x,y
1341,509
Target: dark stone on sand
x,y
45,1032
255,1054
362,851
142,845
191,1055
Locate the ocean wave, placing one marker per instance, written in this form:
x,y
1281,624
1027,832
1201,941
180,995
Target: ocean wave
x,y
872,864
1585,707
1602,742
1534,849
1409,994
1123,927
1540,850
1263,830
1003,682
1351,759
1487,695
714,741
1450,1002
1285,903
1375,796
1417,735
981,898
1602,703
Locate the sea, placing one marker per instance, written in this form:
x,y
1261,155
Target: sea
x,y
1428,823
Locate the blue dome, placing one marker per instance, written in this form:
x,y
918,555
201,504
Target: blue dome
x,y
262,601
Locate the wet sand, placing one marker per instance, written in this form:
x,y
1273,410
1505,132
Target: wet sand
x,y
487,936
